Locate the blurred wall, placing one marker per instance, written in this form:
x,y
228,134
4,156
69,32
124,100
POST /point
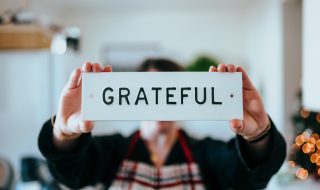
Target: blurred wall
x,y
183,34
24,97
292,61
263,50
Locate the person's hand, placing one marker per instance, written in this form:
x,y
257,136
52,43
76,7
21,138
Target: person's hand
x,y
255,119
68,123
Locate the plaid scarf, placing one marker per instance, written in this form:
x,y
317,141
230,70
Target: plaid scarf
x,y
138,175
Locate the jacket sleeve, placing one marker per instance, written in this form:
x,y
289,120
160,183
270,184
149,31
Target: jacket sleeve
x,y
236,171
92,160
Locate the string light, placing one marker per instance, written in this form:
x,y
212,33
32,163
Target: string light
x,y
291,164
311,140
315,136
307,148
310,145
304,113
302,173
300,139
314,158
307,133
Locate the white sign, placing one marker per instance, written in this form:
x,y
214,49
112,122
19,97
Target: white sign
x,y
162,96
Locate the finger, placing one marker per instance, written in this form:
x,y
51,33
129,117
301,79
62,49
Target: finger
x,y
96,68
87,67
107,68
74,78
246,82
78,126
236,125
222,68
212,69
85,126
231,68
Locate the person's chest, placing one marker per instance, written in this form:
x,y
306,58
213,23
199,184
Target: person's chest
x,y
179,171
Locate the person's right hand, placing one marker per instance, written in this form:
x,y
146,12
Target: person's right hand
x,y
68,123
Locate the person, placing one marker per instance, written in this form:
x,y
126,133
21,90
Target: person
x,y
160,154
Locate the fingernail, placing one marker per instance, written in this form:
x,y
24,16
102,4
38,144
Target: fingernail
x,y
237,127
74,73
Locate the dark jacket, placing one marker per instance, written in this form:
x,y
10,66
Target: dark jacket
x,y
222,165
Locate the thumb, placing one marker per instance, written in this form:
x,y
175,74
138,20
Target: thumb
x,y
85,126
236,125
78,126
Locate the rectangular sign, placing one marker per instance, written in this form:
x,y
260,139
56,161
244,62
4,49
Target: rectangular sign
x,y
162,96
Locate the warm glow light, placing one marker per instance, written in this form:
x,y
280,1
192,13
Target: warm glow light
x,y
307,133
300,139
302,173
315,136
311,140
291,164
314,158
304,113
310,145
307,148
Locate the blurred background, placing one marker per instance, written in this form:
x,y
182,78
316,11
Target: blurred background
x,y
42,41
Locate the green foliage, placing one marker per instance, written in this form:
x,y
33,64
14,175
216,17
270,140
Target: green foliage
x,y
202,63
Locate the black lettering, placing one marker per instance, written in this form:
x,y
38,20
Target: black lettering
x,y
141,91
157,89
183,95
204,95
109,97
213,100
121,95
170,95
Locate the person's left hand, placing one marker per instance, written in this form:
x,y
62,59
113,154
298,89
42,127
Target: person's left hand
x,y
255,119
